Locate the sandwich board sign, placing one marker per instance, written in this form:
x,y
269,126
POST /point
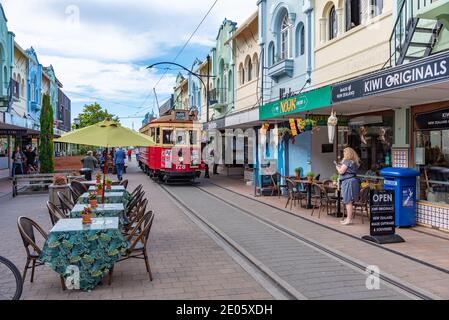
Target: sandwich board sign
x,y
382,218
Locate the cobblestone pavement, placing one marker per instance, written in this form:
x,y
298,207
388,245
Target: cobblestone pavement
x,y
402,260
186,262
310,272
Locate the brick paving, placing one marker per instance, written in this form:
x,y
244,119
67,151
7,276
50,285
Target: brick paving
x,y
186,262
313,274
424,244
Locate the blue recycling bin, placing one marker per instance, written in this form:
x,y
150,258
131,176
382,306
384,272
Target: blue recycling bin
x,y
403,182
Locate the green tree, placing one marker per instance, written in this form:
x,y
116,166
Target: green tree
x,y
94,113
46,147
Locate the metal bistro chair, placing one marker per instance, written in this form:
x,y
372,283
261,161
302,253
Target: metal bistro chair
x,y
294,195
55,213
138,241
276,180
319,199
66,203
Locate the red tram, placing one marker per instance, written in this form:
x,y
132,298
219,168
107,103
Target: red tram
x,y
177,154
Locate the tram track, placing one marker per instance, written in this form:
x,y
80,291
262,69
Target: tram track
x,y
395,252
410,291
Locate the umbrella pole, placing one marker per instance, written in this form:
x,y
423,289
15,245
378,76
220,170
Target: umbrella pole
x,y
106,170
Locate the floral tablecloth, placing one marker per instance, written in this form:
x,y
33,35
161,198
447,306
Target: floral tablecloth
x,y
109,197
83,255
113,189
107,210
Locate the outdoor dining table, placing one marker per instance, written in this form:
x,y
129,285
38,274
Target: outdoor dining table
x,y
113,189
83,254
106,210
336,190
110,197
308,185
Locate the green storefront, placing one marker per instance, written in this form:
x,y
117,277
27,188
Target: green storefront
x,y
295,151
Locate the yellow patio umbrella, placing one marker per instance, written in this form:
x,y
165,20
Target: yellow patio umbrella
x,y
108,134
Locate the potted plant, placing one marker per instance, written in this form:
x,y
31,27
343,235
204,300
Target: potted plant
x,y
98,176
108,184
334,179
309,124
87,216
298,172
310,177
93,200
99,189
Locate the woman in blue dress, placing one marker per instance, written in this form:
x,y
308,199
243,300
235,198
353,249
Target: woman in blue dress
x,y
350,186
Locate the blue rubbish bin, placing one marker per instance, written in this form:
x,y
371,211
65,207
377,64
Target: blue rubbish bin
x,y
403,182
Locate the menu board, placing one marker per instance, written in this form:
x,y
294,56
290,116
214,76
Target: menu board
x,y
382,213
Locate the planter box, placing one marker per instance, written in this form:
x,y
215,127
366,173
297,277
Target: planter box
x,y
53,193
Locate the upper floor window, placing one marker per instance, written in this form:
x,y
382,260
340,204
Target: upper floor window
x,y
249,67
376,7
285,52
242,74
333,27
300,40
353,14
271,54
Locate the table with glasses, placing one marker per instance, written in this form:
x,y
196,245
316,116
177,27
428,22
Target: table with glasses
x,y
102,211
84,254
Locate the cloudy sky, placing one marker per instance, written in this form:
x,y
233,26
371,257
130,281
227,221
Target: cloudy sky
x,y
100,48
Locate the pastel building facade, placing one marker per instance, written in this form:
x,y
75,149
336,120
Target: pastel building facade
x,y
34,86
6,60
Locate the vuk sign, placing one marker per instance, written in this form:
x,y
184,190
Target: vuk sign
x,y
310,100
423,72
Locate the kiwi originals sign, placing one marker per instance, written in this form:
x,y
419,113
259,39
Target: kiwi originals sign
x,y
426,71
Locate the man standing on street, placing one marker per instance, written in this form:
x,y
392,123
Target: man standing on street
x,y
119,161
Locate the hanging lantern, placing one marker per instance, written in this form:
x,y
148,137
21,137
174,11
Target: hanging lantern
x,y
300,123
332,123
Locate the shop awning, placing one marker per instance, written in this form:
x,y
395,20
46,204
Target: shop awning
x,y
32,132
12,130
420,82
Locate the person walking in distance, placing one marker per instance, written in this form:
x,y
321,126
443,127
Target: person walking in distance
x,y
119,161
350,186
130,153
89,161
19,160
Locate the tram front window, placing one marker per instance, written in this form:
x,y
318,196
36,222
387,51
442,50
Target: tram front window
x,y
194,137
181,137
168,136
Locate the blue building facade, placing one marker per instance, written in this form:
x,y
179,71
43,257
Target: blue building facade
x,y
286,40
34,87
195,88
6,61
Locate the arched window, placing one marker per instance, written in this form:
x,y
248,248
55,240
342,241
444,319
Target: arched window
x,y
377,7
353,14
249,67
242,74
333,27
285,38
22,88
271,54
300,40
256,64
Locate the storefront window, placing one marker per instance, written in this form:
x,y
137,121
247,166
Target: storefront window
x,y
432,160
3,153
371,136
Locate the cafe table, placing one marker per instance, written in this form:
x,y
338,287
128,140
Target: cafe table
x,y
102,211
110,197
337,196
84,254
113,189
308,187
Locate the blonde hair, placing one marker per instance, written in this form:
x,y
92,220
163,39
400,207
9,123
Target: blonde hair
x,y
350,154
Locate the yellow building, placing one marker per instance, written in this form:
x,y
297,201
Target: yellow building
x,y
351,38
20,81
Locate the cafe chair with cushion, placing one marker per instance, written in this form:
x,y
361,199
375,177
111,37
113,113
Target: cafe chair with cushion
x,y
137,243
55,213
66,203
79,187
124,183
361,206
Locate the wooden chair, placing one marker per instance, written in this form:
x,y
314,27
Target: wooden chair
x,y
137,243
132,204
66,203
79,187
55,213
124,183
362,204
136,215
135,191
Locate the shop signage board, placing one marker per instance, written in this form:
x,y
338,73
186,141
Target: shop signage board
x,y
215,125
382,218
307,101
426,71
437,120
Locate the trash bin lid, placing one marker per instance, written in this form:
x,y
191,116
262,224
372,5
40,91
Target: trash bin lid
x,y
399,172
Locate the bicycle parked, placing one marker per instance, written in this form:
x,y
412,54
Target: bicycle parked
x,y
11,283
